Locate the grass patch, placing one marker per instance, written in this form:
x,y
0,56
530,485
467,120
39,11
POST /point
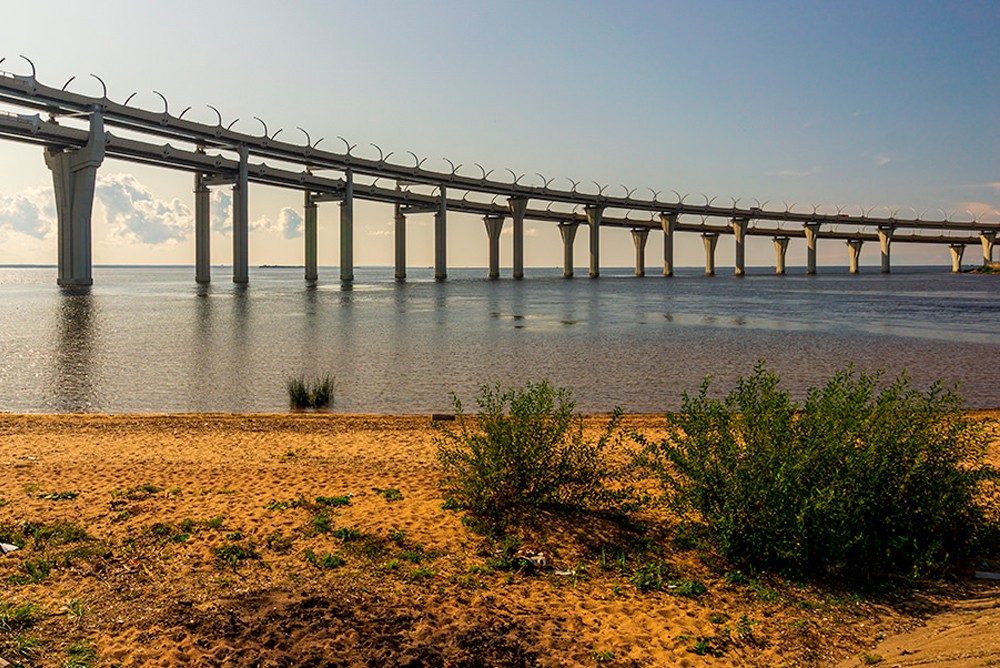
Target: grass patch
x,y
333,501
58,496
19,617
391,494
310,392
233,554
80,655
325,561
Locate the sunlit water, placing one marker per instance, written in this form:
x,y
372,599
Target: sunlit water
x,y
148,340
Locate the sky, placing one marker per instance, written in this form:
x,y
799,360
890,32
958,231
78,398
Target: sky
x,y
855,104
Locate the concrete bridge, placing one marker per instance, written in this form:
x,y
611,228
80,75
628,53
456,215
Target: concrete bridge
x,y
78,132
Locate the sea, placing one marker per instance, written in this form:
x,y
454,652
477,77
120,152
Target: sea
x,y
149,340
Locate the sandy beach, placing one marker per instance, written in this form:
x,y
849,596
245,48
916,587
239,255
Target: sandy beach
x,y
280,540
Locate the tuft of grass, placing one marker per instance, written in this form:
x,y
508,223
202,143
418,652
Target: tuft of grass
x,y
325,561
18,617
80,655
391,494
234,553
59,496
333,501
310,392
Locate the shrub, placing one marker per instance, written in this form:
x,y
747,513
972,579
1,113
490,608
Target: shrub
x,y
526,452
857,483
311,392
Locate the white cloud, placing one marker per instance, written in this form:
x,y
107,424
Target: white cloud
x,y
289,224
980,210
135,216
380,233
221,205
31,212
882,159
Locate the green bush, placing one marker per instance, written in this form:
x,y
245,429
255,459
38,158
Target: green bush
x,y
526,452
311,392
866,478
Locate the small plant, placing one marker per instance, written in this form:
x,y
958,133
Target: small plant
x,y
525,453
602,656
870,659
58,496
321,524
347,534
80,656
310,392
284,505
18,617
277,543
390,494
689,588
333,501
650,576
233,553
214,522
325,561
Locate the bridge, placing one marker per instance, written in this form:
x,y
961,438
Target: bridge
x,y
79,131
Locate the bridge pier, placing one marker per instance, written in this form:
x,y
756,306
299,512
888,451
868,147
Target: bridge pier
x,y
988,238
347,230
594,215
568,233
241,221
780,246
518,205
202,230
884,240
310,209
399,243
854,249
668,221
639,236
710,239
494,226
740,233
812,233
74,175
440,245
957,250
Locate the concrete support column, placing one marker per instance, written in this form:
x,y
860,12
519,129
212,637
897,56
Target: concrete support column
x,y
74,175
812,233
884,240
957,250
594,215
494,226
202,231
399,243
440,245
988,239
568,233
710,239
241,221
518,205
854,248
740,233
311,211
780,246
347,229
639,236
668,221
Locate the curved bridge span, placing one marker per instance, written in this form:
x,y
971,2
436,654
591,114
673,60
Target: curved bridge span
x,y
79,131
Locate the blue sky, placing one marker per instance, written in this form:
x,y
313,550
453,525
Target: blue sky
x,y
849,103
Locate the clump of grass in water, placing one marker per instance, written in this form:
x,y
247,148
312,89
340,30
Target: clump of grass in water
x,y
310,392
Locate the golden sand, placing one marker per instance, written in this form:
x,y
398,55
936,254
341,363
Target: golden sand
x,y
160,495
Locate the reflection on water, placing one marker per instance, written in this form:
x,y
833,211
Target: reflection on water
x,y
146,340
74,365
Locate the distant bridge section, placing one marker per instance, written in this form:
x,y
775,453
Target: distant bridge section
x,y
77,132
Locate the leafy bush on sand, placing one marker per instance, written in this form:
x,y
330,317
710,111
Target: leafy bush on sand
x,y
867,478
525,452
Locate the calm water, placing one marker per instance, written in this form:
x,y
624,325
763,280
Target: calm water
x,y
148,340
